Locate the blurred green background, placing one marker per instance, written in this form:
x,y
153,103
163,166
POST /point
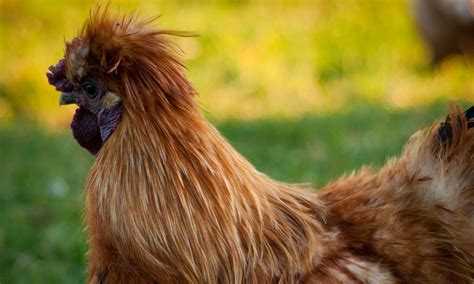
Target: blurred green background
x,y
306,91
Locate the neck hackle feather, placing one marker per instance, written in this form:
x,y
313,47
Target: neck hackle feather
x,y
168,198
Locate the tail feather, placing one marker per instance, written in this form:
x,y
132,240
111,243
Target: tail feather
x,y
452,132
470,117
452,175
444,157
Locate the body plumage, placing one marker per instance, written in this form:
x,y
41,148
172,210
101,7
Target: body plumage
x,y
169,199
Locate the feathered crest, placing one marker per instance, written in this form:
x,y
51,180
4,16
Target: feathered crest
x,y
134,55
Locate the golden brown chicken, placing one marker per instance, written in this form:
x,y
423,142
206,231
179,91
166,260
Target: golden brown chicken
x,y
169,200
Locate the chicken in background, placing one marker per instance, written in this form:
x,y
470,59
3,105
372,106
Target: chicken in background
x,y
169,200
447,26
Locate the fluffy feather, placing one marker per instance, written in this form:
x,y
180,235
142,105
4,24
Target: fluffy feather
x,y
169,200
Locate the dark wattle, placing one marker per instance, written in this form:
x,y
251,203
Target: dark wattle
x,y
86,131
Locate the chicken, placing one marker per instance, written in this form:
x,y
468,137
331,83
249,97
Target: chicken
x,y
169,200
446,26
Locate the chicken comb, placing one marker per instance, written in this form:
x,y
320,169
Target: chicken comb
x,y
57,77
57,74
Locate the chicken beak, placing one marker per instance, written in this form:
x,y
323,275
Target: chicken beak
x,y
67,99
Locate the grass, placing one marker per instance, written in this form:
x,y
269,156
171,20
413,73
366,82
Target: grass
x,y
42,173
41,239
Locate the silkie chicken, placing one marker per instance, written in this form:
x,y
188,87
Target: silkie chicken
x,y
169,200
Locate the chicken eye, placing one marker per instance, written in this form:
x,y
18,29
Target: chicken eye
x,y
90,89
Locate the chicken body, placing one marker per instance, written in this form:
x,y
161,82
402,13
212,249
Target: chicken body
x,y
169,200
412,222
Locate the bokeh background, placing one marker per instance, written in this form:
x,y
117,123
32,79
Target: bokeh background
x,y
307,91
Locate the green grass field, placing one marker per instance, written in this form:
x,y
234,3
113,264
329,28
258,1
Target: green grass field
x,y
306,91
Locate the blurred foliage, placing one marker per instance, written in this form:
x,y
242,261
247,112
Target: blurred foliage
x,y
306,90
275,60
